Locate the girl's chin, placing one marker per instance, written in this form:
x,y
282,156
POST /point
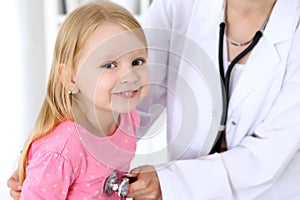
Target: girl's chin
x,y
125,108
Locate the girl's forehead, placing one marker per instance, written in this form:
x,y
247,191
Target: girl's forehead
x,y
112,41
112,35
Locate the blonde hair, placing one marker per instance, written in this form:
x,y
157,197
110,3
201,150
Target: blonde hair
x,y
73,34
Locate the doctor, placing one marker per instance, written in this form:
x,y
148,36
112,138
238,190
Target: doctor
x,y
262,137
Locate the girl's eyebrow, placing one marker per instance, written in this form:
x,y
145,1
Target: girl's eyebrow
x,y
107,57
142,52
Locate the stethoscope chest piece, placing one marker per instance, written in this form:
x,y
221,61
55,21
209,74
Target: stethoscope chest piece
x,y
111,185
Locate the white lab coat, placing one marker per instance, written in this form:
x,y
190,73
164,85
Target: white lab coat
x,y
263,125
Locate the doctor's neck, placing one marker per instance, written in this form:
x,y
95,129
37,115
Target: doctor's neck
x,y
250,6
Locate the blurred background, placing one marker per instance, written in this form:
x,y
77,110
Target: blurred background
x,y
28,32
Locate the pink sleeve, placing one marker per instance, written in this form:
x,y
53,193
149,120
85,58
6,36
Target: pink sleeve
x,y
49,176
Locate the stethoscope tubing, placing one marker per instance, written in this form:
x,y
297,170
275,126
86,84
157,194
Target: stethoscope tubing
x,y
225,80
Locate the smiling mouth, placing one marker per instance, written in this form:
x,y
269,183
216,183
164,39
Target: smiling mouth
x,y
128,94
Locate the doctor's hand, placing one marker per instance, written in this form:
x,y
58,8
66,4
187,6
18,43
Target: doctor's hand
x,y
147,186
13,184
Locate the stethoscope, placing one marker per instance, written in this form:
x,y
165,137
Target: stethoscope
x,y
114,184
226,79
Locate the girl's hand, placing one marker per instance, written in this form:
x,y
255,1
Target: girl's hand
x,y
13,184
147,186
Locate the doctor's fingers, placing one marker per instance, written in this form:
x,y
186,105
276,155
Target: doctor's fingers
x,y
146,187
145,194
15,194
15,188
142,169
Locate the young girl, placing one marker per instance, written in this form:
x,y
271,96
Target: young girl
x,y
86,127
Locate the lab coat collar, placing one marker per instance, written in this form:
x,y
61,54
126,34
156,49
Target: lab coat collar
x,y
282,21
204,29
280,28
210,10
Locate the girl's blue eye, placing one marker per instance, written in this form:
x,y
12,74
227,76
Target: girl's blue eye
x,y
138,62
109,65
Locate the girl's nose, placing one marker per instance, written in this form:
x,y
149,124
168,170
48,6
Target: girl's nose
x,y
129,75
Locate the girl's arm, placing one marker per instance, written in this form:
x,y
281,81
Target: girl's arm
x,y
48,176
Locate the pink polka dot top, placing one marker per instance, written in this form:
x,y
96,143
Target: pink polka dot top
x,y
71,163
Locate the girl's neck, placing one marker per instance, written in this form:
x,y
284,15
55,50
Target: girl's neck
x,y
105,122
98,122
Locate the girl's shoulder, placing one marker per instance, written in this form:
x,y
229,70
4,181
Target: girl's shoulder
x,y
61,140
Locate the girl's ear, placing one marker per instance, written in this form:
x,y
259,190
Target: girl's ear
x,y
66,78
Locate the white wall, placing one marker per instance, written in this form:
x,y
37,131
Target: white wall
x,y
22,78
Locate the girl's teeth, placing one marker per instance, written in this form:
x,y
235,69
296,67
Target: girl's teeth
x,y
127,94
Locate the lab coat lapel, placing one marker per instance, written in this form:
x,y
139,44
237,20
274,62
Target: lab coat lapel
x,y
204,29
260,64
258,68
